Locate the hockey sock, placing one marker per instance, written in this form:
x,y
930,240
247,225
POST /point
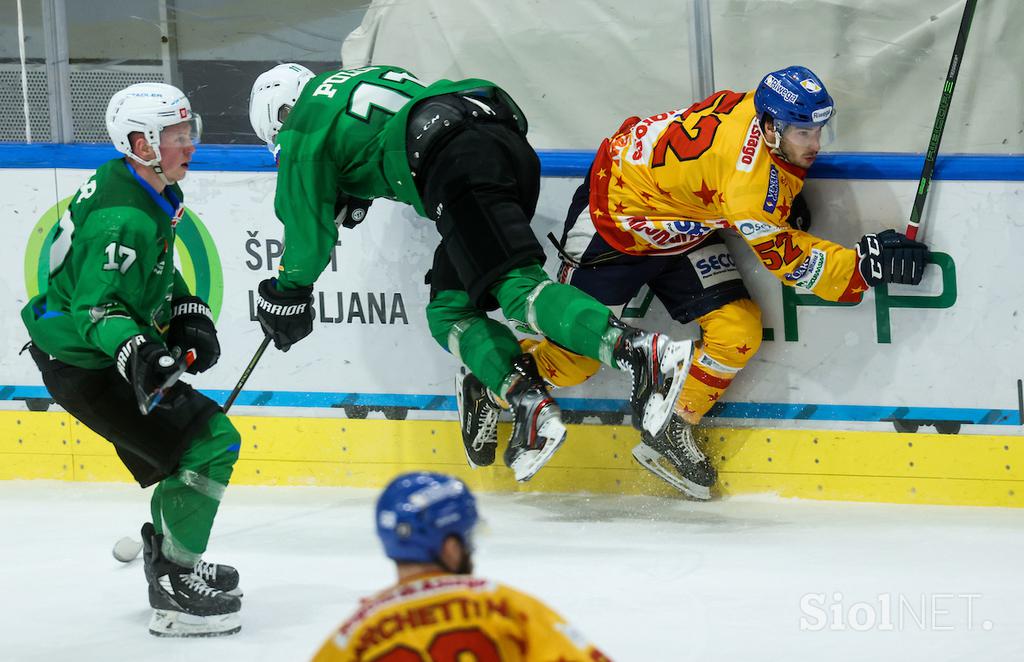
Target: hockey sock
x,y
485,346
573,319
557,365
154,508
186,503
731,337
703,387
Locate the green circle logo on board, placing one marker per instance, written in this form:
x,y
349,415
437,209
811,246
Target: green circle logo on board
x,y
197,256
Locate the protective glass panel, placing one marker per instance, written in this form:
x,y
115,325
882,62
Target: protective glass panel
x,y
576,67
24,93
885,62
224,45
111,44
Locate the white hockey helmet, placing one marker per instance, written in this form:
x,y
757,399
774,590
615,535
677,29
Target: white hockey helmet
x,y
148,108
274,90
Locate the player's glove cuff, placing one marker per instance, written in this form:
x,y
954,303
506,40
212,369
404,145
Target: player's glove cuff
x,y
354,212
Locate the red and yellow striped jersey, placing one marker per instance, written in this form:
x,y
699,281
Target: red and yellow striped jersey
x,y
450,618
661,185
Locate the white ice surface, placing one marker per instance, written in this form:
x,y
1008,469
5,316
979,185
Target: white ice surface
x,y
649,579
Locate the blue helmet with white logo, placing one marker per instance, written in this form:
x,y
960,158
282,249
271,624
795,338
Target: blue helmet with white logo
x,y
793,96
418,511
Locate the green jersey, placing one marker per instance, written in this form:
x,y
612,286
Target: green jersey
x,y
346,135
112,272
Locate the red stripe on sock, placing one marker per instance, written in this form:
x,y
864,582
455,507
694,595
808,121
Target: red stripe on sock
x,y
706,378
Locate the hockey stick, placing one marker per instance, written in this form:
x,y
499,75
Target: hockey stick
x,y
940,120
245,373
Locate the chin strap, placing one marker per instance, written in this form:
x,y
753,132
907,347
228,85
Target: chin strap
x,y
154,164
160,173
775,148
157,167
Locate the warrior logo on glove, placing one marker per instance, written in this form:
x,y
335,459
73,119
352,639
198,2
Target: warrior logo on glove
x,y
285,315
192,328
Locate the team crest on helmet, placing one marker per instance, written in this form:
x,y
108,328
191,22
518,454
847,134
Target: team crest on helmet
x,y
810,85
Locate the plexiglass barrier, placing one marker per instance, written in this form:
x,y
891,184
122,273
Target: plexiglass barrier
x,y
577,67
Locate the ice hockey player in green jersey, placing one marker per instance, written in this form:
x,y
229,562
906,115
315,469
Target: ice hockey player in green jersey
x,y
456,151
114,329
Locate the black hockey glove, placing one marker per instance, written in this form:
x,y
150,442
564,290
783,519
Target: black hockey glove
x,y
146,365
192,328
800,214
890,257
349,211
285,315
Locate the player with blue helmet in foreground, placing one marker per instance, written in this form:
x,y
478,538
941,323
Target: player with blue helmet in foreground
x,y
438,610
428,518
648,214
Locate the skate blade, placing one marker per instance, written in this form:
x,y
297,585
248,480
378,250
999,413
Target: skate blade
x,y
169,623
530,462
659,407
651,460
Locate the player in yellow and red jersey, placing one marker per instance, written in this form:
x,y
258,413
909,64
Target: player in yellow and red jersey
x,y
648,214
438,611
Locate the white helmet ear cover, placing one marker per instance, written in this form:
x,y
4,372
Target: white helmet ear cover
x,y
273,89
147,108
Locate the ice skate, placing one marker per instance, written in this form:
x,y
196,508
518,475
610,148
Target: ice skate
x,y
537,430
658,366
186,606
478,418
217,575
674,457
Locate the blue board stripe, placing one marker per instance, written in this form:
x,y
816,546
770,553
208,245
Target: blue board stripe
x,y
554,163
737,410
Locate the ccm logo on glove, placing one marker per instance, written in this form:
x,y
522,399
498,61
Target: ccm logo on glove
x,y
890,257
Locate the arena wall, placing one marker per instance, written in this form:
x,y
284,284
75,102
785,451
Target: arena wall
x,y
911,396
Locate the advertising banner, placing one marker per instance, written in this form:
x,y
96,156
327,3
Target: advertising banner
x,y
944,353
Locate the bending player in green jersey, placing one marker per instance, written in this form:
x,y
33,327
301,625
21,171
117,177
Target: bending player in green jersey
x,y
107,335
456,151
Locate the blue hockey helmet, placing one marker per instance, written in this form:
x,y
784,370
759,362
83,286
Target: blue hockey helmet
x,y
418,511
793,96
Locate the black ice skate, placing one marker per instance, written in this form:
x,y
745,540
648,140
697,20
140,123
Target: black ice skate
x,y
537,429
478,417
217,575
186,606
659,368
674,457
